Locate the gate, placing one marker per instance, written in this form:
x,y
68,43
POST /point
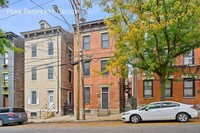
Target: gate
x,y
69,108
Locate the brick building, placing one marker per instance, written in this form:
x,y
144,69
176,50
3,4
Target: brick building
x,y
48,72
12,74
103,91
182,86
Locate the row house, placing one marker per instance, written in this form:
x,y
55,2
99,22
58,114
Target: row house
x,y
48,72
103,92
12,74
182,86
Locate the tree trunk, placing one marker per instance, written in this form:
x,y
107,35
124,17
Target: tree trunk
x,y
162,88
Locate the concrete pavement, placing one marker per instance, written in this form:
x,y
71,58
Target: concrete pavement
x,y
115,117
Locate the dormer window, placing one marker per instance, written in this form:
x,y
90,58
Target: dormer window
x,y
42,26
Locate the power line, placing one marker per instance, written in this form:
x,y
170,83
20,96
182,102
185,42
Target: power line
x,y
52,14
26,10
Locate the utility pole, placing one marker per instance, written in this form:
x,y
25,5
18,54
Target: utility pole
x,y
77,4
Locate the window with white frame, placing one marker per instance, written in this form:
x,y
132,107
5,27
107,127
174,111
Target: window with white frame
x,y
148,88
104,40
33,97
50,72
189,88
86,68
189,58
87,94
34,73
86,42
34,50
5,79
168,88
6,58
50,48
103,67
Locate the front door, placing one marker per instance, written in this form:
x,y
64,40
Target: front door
x,y
5,100
104,98
50,98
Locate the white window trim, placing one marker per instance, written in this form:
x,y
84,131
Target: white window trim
x,y
30,98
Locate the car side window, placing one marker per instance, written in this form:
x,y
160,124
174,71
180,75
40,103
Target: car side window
x,y
168,104
154,106
4,110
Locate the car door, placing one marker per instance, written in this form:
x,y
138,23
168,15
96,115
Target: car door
x,y
151,112
169,110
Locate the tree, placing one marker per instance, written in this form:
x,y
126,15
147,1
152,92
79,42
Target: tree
x,y
4,43
151,34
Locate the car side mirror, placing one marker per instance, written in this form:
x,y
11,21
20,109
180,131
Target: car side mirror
x,y
147,108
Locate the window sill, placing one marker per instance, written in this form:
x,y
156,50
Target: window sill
x,y
50,80
168,97
86,76
105,47
105,75
189,97
146,98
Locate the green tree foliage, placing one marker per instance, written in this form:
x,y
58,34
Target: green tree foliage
x,y
151,34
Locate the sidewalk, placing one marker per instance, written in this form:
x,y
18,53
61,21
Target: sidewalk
x,y
89,118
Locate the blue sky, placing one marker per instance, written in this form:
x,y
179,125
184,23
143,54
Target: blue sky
x,y
29,20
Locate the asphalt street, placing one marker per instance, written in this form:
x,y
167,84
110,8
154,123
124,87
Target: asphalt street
x,y
104,127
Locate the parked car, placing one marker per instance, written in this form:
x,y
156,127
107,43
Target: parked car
x,y
165,110
12,115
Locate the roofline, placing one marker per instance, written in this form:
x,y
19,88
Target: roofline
x,y
38,30
90,22
11,33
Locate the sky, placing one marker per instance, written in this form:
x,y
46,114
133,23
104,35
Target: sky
x,y
24,15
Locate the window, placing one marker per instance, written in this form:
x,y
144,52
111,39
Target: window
x,y
5,79
33,97
148,88
70,55
34,73
189,89
42,26
50,72
103,67
168,104
154,106
50,48
168,88
104,40
87,94
70,98
70,76
86,68
6,58
189,58
86,42
34,50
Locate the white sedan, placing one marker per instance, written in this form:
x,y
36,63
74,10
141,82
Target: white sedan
x,y
165,110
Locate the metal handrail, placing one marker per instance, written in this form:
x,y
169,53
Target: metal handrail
x,y
42,110
50,109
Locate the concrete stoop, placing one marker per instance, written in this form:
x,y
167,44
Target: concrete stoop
x,y
46,115
103,112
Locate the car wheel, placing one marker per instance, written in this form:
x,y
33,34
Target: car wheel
x,y
1,123
135,119
182,117
20,123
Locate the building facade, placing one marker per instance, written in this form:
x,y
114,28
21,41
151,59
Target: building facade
x,y
48,72
182,86
12,74
102,90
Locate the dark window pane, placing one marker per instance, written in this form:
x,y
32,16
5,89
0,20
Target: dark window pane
x,y
86,68
104,40
50,72
86,42
50,48
34,50
87,94
34,97
34,73
189,89
103,67
148,88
